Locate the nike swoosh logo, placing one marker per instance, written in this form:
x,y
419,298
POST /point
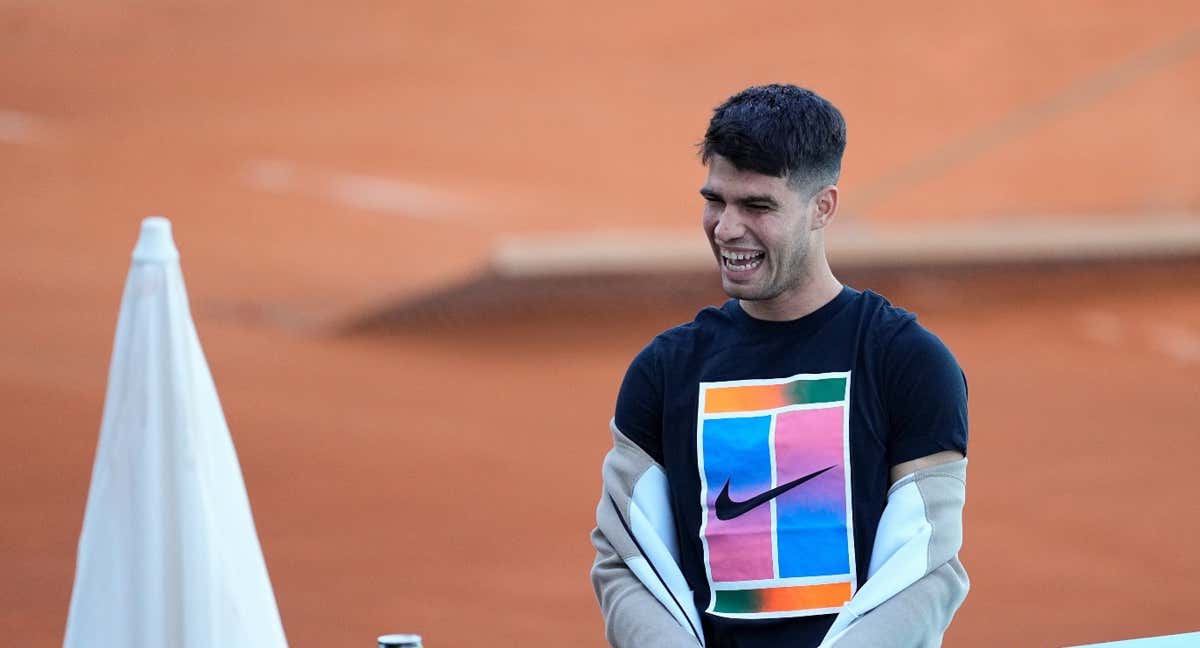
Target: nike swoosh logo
x,y
727,509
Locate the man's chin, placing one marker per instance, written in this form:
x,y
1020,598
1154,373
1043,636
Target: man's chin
x,y
741,291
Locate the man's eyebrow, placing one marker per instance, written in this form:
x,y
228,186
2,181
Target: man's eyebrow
x,y
761,199
752,199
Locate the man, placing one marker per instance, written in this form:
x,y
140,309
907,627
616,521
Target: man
x,y
787,469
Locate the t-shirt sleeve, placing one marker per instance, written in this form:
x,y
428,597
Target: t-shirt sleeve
x,y
925,393
640,403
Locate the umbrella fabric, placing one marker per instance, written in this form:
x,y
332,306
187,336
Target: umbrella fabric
x,y
168,555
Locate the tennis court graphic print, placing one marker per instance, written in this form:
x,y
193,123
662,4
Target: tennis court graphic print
x,y
775,487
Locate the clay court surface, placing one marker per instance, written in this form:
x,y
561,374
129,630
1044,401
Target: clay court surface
x,y
441,477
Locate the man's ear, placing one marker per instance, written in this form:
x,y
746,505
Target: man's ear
x,y
825,203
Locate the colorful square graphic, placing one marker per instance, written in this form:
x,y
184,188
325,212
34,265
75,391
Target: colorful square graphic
x,y
774,468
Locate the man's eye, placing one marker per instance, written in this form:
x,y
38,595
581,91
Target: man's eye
x,y
758,208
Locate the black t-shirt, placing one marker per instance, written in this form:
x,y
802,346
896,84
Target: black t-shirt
x,y
777,439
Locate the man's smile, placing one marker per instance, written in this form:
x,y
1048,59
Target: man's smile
x,y
739,261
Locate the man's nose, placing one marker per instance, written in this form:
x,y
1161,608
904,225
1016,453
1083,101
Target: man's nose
x,y
729,226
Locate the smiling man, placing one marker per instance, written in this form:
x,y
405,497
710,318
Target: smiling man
x,y
787,469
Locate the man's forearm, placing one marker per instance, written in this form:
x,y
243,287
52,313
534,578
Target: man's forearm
x,y
632,616
915,618
916,581
642,593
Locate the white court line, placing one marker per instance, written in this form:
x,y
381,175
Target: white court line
x,y
275,176
374,193
1103,327
357,191
17,127
1179,342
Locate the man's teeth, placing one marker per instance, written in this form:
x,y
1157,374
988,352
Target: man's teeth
x,y
741,260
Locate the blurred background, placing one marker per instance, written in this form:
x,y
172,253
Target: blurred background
x,y
423,240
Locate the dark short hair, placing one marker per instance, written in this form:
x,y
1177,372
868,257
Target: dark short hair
x,y
779,130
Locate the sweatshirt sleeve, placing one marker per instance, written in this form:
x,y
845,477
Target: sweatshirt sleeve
x,y
643,595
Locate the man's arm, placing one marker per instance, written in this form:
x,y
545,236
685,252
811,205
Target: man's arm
x,y
642,593
632,615
902,470
916,581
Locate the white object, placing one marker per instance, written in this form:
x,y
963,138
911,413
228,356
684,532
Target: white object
x,y
1190,640
168,555
399,641
652,526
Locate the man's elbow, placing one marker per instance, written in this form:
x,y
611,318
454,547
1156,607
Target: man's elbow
x,y
946,589
959,586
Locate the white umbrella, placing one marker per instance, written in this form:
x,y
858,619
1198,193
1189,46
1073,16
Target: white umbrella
x,y
168,555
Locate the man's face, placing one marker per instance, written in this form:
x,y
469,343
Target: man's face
x,y
760,229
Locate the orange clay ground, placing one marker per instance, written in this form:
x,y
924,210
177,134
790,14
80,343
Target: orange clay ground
x,y
441,478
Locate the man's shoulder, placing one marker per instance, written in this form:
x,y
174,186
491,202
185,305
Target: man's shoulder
x,y
903,338
709,321
896,332
889,322
884,313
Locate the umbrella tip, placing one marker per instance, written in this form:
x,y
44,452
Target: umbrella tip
x,y
155,242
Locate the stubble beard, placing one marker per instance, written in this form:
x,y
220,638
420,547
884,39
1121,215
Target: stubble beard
x,y
780,281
